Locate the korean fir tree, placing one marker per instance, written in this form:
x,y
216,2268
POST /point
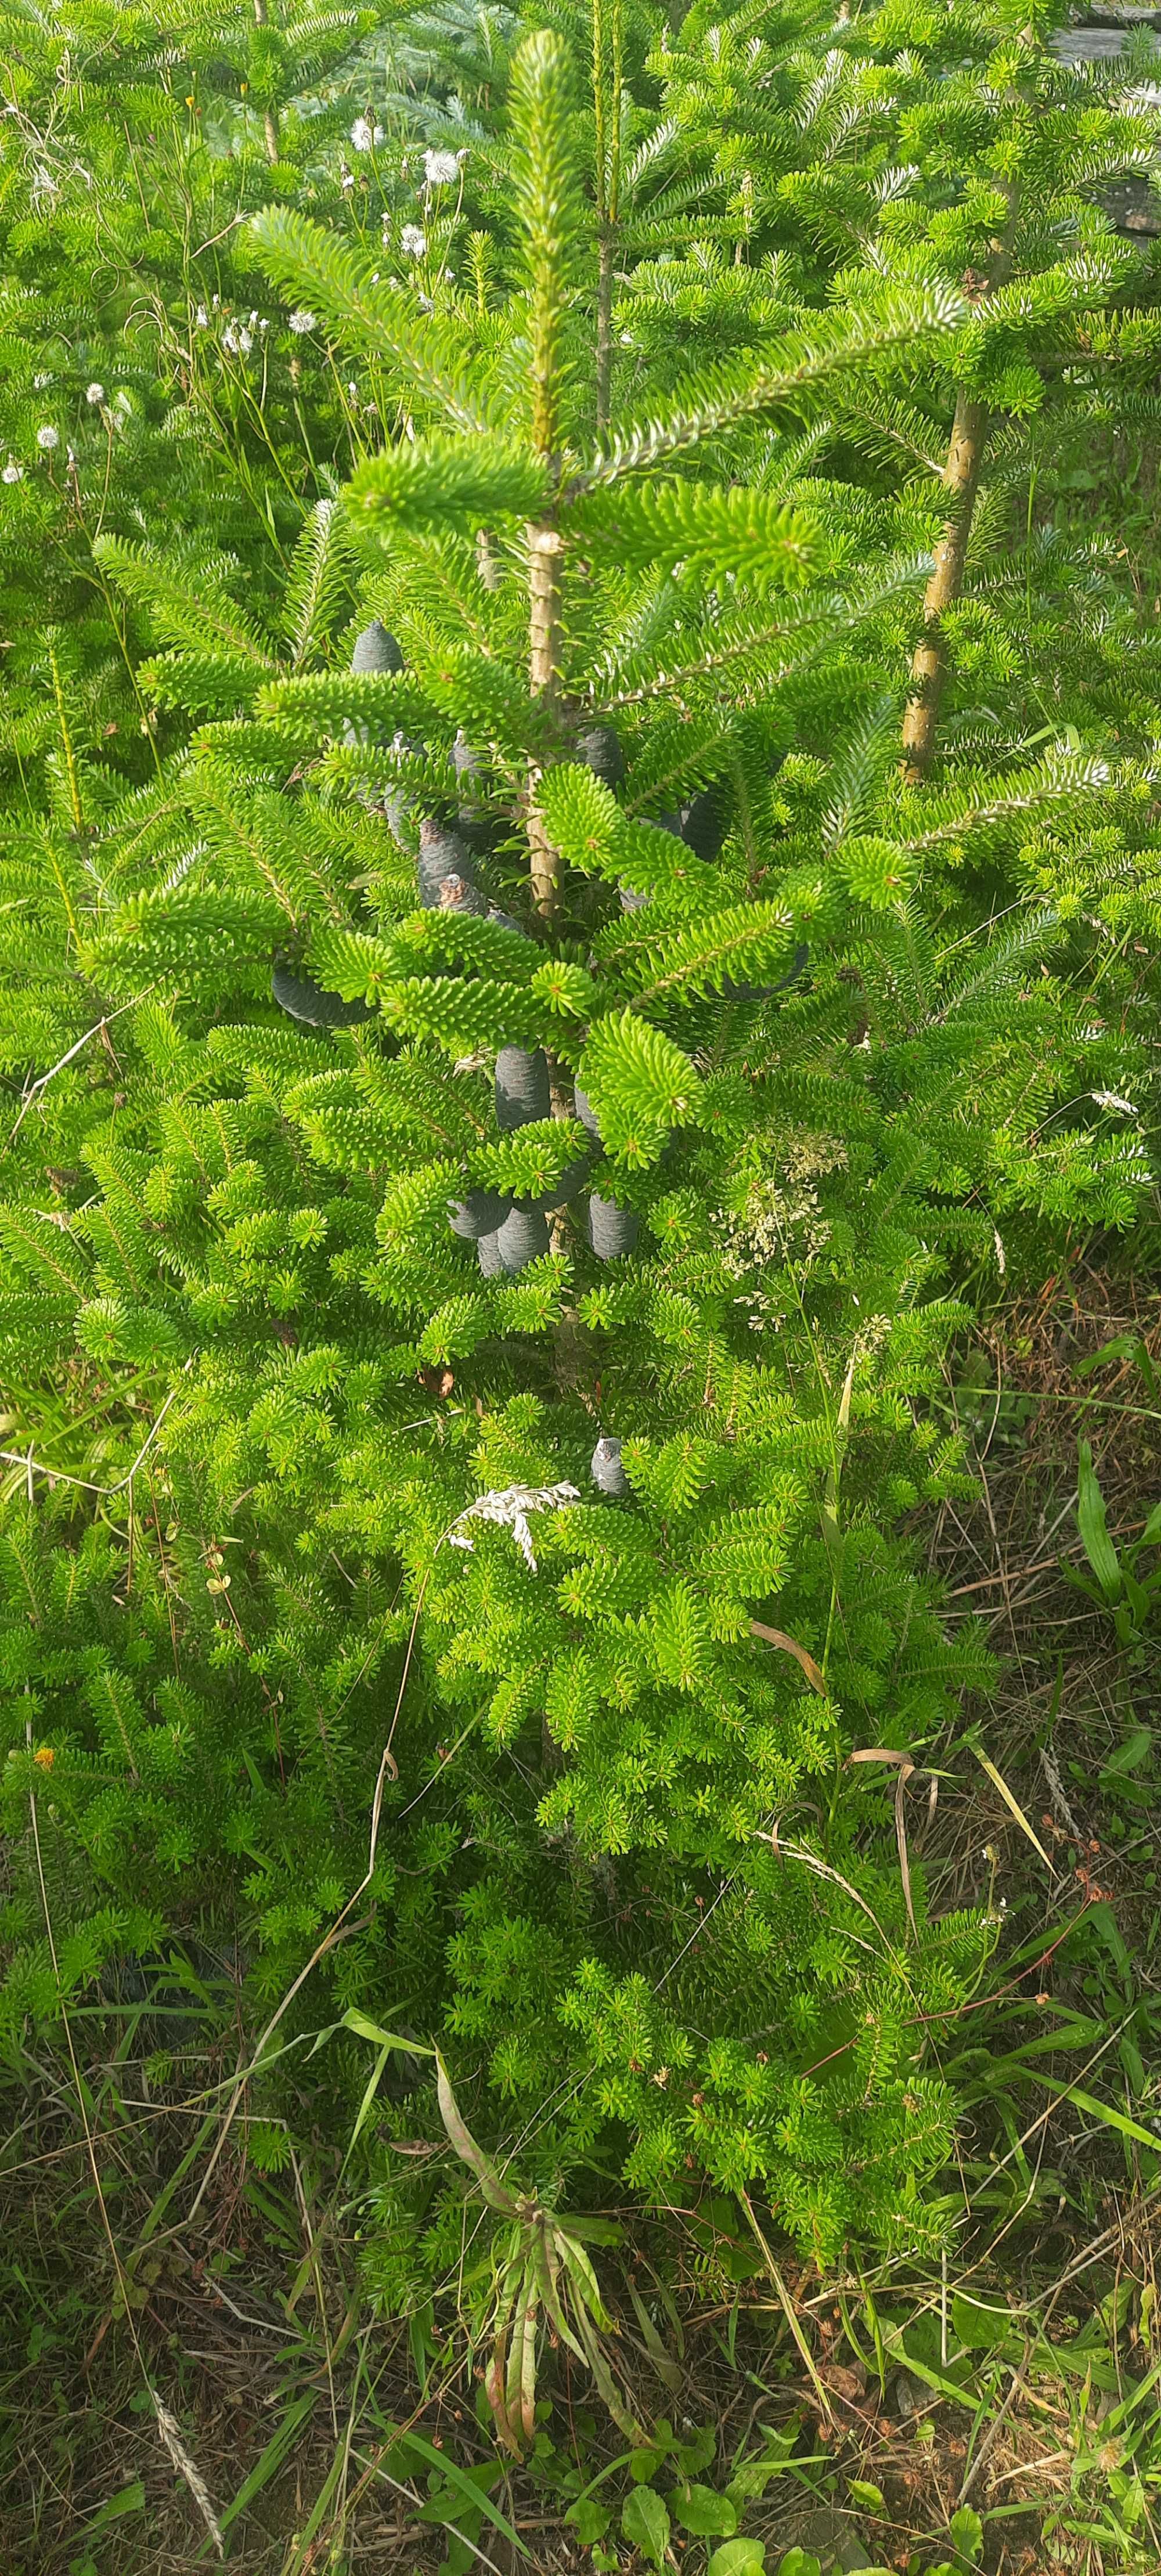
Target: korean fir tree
x,y
501,1220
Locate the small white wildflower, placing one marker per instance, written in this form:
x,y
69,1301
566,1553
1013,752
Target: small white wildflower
x,y
47,437
362,134
202,318
300,320
94,393
347,181
1113,1100
413,241
245,341
254,318
39,383
230,339
217,302
352,387
511,1509
13,473
71,454
441,169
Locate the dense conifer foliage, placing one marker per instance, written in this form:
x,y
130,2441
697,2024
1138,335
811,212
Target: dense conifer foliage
x,y
579,880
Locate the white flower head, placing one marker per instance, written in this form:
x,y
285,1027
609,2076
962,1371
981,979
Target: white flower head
x,y
94,393
365,135
511,1509
441,169
230,339
39,383
47,437
413,241
245,340
1113,1100
13,473
300,320
202,318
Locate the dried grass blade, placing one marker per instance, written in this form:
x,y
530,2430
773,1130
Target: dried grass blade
x,y
787,2306
790,1646
1014,1805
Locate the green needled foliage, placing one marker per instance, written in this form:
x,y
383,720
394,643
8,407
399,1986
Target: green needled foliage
x,y
434,1088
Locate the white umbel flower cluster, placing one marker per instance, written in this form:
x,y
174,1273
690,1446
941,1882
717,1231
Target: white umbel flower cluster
x,y
413,241
510,1509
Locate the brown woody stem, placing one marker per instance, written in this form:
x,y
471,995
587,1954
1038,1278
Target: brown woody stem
x,y
270,120
604,328
545,550
961,477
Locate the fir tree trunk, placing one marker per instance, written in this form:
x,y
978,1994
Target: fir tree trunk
x,y
271,120
545,548
604,329
961,478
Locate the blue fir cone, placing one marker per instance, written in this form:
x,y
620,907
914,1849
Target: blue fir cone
x,y
478,1213
376,650
522,1087
599,750
732,992
457,895
587,1114
702,822
612,1230
302,999
606,1470
442,853
398,807
472,818
563,1191
521,1239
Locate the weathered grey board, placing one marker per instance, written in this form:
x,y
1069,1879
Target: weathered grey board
x,y
1088,44
1131,204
